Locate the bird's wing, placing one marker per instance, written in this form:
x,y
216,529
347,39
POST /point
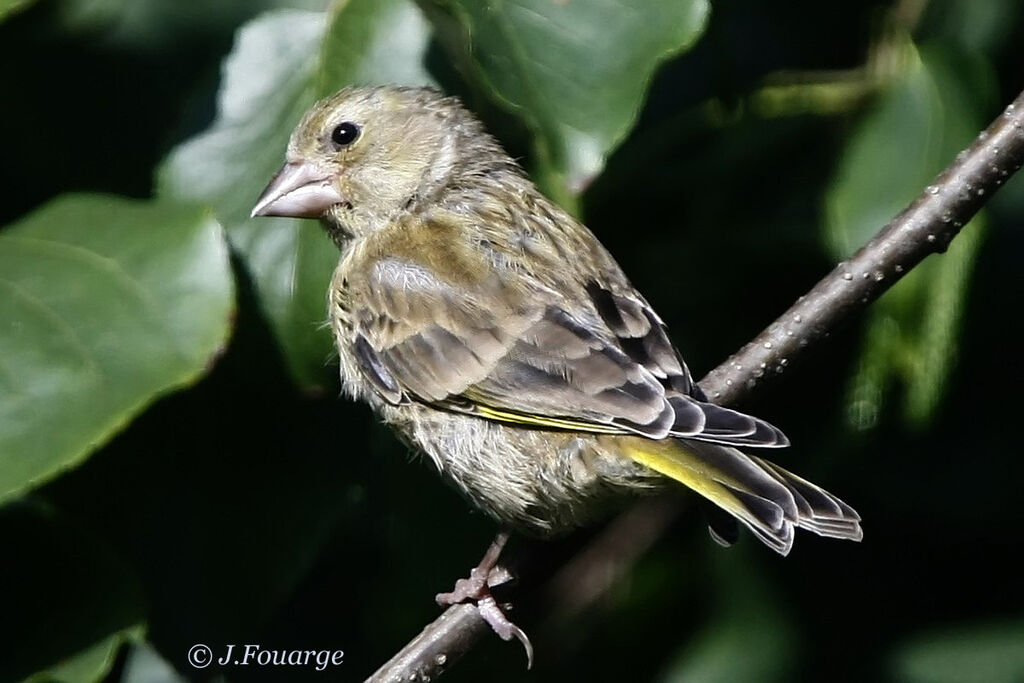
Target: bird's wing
x,y
642,335
608,369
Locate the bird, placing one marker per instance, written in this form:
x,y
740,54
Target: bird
x,y
497,335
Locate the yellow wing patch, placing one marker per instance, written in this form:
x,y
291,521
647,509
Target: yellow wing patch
x,y
542,421
672,459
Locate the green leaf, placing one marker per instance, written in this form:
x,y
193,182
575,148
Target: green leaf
x,y
929,362
88,666
145,665
9,7
107,303
69,600
983,25
373,42
576,72
151,25
281,63
990,653
912,132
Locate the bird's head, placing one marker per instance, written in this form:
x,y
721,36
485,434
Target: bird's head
x,y
363,155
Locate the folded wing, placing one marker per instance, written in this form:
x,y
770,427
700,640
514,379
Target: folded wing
x,y
606,367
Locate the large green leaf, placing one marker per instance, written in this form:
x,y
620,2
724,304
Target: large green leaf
x,y
917,127
107,303
576,72
281,63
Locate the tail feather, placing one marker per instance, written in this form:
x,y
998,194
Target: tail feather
x,y
765,498
765,518
820,511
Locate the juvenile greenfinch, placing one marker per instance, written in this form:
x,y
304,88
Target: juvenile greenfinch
x,y
495,333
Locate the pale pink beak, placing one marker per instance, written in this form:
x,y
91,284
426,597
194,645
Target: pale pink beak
x,y
298,190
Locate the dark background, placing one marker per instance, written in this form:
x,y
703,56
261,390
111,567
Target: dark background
x,y
246,510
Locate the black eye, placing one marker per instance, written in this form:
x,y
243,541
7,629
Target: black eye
x,y
345,133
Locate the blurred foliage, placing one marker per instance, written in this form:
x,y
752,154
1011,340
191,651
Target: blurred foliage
x,y
933,108
727,151
988,652
86,601
11,6
749,620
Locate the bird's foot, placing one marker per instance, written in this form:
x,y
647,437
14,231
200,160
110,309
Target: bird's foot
x,y
477,589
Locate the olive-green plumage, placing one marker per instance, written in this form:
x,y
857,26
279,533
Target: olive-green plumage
x,y
501,339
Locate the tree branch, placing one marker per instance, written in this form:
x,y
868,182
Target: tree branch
x,y
925,227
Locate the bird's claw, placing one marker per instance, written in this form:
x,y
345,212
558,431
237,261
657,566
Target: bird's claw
x,y
477,589
495,617
473,588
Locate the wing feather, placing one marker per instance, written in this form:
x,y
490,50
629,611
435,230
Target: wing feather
x,y
607,368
